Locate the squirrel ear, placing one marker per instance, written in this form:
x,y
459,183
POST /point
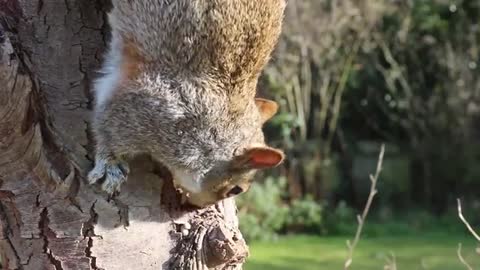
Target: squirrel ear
x,y
259,158
267,108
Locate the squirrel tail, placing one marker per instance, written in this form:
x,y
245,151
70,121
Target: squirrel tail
x,y
151,26
236,36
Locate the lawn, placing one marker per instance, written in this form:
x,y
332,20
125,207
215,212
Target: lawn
x,y
435,251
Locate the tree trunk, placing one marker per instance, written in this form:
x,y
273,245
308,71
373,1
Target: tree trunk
x,y
49,217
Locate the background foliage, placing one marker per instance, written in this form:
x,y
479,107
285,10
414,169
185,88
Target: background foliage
x,y
350,75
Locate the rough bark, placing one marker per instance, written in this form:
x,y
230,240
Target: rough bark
x,y
49,217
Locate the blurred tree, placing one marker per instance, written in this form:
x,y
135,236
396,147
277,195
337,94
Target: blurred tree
x,y
418,86
310,72
401,71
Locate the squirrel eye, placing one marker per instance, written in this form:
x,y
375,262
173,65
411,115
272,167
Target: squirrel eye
x,y
234,191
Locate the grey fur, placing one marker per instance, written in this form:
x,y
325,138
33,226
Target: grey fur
x,y
190,101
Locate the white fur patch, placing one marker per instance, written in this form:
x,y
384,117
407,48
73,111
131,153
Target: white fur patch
x,y
105,85
189,181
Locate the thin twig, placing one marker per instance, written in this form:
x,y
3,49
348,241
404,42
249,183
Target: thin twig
x,y
391,262
470,229
363,217
459,253
460,214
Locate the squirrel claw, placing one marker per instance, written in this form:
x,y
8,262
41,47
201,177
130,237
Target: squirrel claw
x,y
96,173
115,174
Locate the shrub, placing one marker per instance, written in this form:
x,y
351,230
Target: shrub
x,y
304,215
340,220
262,212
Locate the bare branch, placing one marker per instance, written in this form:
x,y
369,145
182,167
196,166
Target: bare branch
x,y
469,227
391,262
363,217
464,262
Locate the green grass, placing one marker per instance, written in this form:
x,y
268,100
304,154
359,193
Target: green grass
x,y
435,251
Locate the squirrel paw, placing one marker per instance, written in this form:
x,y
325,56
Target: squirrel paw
x,y
115,174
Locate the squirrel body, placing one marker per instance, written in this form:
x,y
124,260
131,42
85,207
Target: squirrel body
x,y
179,83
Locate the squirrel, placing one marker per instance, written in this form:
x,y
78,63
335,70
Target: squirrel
x,y
179,84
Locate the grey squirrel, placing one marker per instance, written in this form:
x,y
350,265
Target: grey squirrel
x,y
179,84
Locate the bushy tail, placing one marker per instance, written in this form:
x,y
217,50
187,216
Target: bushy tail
x,y
155,26
233,36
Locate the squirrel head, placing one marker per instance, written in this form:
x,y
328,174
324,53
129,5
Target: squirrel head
x,y
225,166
